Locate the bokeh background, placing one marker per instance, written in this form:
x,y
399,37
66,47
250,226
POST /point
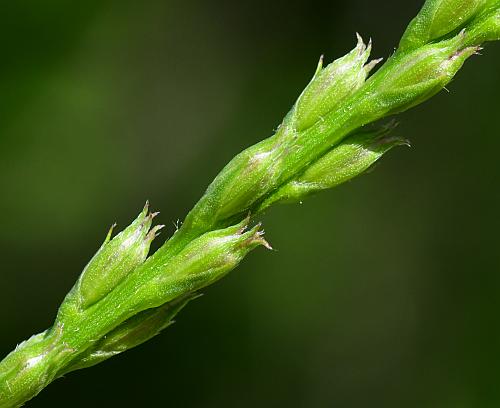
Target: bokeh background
x,y
383,292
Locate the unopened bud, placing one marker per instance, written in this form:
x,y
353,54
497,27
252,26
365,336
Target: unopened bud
x,y
485,27
349,159
438,18
202,262
245,179
115,259
416,76
331,85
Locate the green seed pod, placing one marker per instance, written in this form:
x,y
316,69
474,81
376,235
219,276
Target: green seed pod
x,y
332,85
438,18
115,259
202,262
416,76
349,159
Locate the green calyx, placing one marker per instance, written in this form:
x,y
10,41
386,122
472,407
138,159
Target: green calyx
x,y
332,85
355,155
203,261
486,26
414,77
115,259
437,18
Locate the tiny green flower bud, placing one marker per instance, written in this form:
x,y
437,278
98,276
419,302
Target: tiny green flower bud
x,y
331,85
438,18
246,178
202,262
416,76
486,27
349,159
115,259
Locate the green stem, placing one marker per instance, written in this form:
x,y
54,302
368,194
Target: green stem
x,y
122,299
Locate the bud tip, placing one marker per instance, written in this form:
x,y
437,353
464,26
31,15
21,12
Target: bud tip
x,y
110,233
154,232
320,64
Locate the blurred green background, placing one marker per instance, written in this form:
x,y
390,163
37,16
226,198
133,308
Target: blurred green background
x,y
383,292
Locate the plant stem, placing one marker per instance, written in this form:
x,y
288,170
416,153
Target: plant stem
x,y
123,298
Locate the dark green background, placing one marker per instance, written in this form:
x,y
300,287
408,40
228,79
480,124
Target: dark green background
x,y
383,292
